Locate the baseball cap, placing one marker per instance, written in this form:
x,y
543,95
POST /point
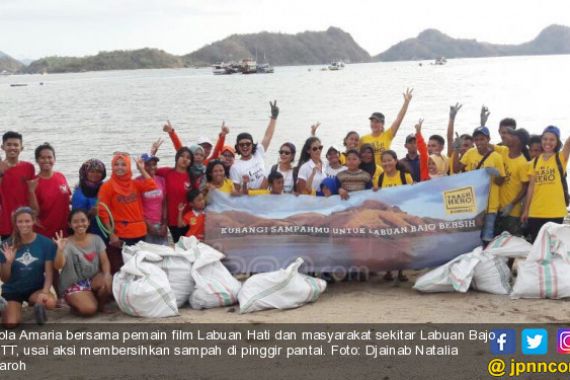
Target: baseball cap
x,y
228,148
410,137
377,116
552,129
147,158
204,140
482,131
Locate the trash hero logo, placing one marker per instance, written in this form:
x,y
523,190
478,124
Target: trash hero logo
x,y
458,201
503,342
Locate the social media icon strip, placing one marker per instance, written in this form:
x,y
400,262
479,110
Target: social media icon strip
x,y
504,341
534,341
563,341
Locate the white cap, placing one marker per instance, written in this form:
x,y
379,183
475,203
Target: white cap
x,y
204,140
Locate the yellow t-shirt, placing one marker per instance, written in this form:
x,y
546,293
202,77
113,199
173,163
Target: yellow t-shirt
x,y
227,186
516,173
342,158
258,192
379,143
471,160
548,198
377,173
395,180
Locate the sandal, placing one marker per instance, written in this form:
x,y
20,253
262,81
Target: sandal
x,y
40,314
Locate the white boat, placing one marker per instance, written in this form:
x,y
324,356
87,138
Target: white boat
x,y
264,68
440,61
336,65
4,72
223,69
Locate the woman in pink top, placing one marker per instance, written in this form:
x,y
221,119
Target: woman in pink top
x,y
154,205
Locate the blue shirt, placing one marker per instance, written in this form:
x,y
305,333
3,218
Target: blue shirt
x,y
29,266
79,200
413,166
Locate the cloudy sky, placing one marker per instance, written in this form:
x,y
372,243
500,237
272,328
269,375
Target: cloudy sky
x,y
36,28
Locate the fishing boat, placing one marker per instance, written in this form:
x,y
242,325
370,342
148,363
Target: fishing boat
x,y
336,65
248,66
264,68
223,69
440,61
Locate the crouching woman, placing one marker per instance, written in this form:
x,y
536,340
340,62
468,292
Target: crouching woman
x,y
26,270
85,279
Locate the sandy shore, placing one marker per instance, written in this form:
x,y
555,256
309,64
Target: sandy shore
x,y
374,301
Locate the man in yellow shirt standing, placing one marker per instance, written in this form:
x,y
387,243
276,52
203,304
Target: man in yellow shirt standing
x,y
513,191
484,156
380,139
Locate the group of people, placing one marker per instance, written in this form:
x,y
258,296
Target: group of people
x,y
70,240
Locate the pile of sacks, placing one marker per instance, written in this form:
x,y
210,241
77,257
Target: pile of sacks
x,y
543,268
157,280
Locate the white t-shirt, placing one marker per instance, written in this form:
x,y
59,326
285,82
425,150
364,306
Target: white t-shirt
x,y
306,170
330,172
288,183
254,168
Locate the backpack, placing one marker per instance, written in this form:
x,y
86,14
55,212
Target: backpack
x,y
483,159
562,178
402,179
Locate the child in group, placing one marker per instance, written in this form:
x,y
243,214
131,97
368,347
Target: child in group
x,y
351,141
547,195
194,219
484,156
333,165
353,178
14,175
26,270
154,204
534,146
276,183
412,159
368,162
85,279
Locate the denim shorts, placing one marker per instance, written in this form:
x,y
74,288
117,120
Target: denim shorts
x,y
488,231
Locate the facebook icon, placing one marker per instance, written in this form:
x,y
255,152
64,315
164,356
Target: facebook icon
x,y
503,342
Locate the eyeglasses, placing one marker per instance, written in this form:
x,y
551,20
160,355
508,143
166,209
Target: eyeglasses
x,y
315,148
245,144
285,152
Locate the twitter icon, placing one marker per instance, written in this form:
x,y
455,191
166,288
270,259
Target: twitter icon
x,y
534,342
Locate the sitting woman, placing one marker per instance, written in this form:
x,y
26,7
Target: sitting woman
x,y
26,270
85,279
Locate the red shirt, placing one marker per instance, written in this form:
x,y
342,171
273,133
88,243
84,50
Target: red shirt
x,y
53,197
176,187
196,224
14,191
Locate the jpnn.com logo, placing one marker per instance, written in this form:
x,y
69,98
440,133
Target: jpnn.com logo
x,y
503,342
534,341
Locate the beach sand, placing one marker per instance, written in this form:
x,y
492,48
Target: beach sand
x,y
373,301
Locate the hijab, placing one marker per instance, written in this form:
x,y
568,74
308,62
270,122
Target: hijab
x,y
122,184
440,163
90,189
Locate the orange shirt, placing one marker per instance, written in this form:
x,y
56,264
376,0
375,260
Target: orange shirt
x,y
196,224
127,210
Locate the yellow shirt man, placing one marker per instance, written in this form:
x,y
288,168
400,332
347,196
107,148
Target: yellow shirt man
x,y
471,160
548,196
516,175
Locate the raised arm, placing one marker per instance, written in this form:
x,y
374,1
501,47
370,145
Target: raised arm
x,y
396,124
422,149
451,127
484,115
9,257
60,241
314,128
271,127
566,150
172,134
221,141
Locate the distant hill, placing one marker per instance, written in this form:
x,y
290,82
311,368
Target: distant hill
x,y
9,64
432,43
114,60
282,49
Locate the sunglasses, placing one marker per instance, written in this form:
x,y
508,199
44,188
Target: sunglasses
x,y
244,144
285,152
315,148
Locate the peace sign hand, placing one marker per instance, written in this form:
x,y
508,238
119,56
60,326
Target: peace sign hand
x,y
453,110
274,109
167,127
155,146
59,240
314,128
484,115
418,126
408,95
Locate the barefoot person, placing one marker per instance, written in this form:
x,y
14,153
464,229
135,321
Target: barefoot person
x,y
26,270
381,139
85,279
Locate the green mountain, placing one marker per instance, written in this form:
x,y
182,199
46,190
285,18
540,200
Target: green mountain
x,y
432,43
282,49
9,64
113,60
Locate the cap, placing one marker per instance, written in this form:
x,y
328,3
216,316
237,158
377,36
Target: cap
x,y
377,116
482,131
204,140
147,158
410,137
552,129
228,148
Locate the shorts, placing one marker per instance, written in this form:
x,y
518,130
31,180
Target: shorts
x,y
488,231
81,286
19,297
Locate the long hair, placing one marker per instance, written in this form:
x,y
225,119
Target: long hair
x,y
16,237
305,156
292,148
210,169
369,167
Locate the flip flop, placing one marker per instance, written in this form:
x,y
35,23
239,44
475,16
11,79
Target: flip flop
x,y
40,314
